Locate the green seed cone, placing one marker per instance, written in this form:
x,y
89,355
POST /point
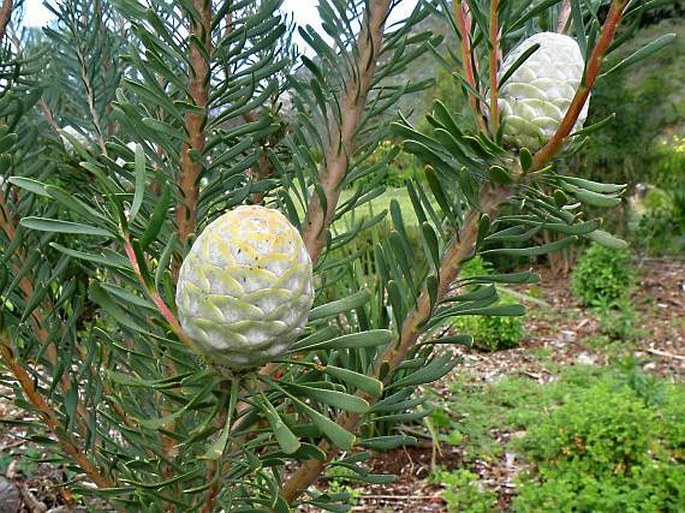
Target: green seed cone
x,y
535,98
245,288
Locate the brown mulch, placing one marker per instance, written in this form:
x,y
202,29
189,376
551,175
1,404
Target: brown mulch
x,y
562,330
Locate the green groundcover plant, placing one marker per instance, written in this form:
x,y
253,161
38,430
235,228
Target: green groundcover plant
x,y
606,449
603,275
137,340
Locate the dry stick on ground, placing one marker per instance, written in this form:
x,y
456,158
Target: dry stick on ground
x,y
490,200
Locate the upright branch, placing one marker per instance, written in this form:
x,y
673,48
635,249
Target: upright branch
x,y
200,42
494,57
5,15
564,17
340,145
592,69
491,198
461,247
462,14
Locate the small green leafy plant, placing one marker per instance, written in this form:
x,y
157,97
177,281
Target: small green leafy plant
x,y
603,275
463,493
603,450
617,319
490,333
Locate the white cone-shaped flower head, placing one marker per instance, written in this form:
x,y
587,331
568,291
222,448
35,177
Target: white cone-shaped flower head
x,y
245,289
535,98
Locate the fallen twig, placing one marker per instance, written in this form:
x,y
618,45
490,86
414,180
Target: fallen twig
x,y
666,354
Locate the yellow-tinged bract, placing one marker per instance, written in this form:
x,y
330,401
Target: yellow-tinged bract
x,y
535,98
245,289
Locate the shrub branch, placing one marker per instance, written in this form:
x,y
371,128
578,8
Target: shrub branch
x,y
198,88
50,417
592,69
461,247
340,145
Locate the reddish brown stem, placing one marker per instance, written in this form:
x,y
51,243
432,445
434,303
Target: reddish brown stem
x,y
494,56
198,86
50,417
156,297
340,145
461,247
463,18
594,65
5,16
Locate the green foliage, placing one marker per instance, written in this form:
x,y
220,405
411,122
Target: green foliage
x,y
463,493
182,110
645,100
596,438
603,275
618,319
396,167
490,333
603,450
658,209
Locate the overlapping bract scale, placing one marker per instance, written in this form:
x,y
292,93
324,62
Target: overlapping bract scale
x,y
535,98
245,289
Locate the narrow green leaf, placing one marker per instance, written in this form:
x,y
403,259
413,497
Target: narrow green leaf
x,y
596,200
340,400
387,443
370,338
594,127
642,53
361,381
607,240
123,317
73,204
159,215
533,250
336,434
30,185
285,438
343,305
431,240
517,64
432,288
483,228
139,191
432,371
465,340
599,187
46,224
500,175
109,259
526,159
